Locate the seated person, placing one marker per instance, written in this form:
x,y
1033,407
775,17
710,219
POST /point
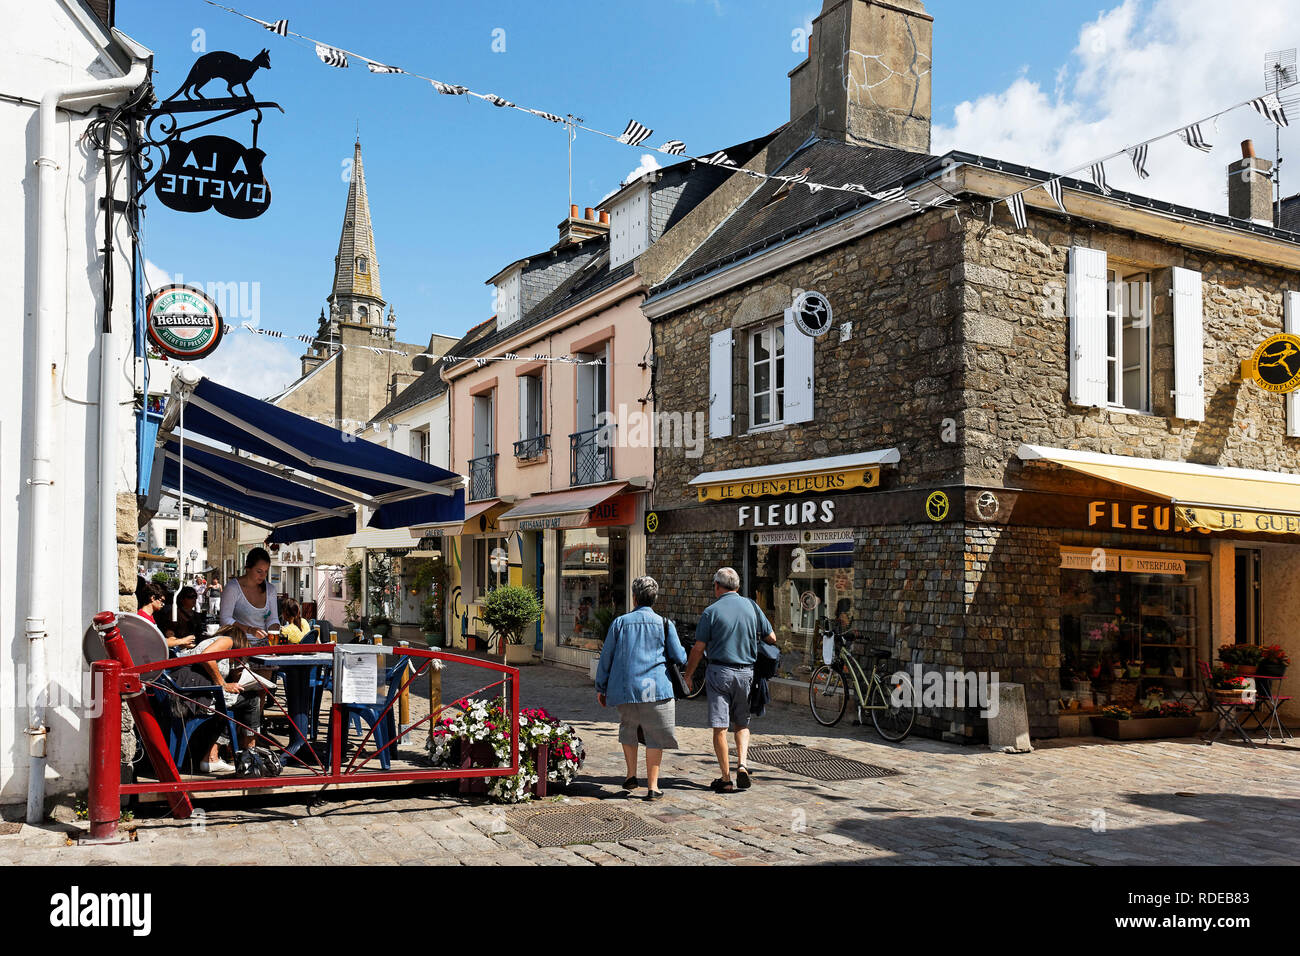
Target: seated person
x,y
189,622
293,629
244,702
153,597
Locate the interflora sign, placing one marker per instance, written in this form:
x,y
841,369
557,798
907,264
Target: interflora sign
x,y
183,322
1275,366
817,482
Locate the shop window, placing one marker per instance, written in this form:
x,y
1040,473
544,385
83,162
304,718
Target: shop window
x,y
767,375
1128,340
593,584
797,584
1128,637
491,565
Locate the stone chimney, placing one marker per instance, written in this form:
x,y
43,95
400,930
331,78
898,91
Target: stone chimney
x,y
581,225
868,74
1250,188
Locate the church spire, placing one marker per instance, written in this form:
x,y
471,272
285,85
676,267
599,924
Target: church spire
x,y
356,269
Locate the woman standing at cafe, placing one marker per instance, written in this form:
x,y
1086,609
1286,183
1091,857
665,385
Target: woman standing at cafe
x,y
249,601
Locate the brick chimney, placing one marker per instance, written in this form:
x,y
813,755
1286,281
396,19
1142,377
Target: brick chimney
x,y
581,225
868,74
1250,189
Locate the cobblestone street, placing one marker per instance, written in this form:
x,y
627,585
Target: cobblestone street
x,y
1075,802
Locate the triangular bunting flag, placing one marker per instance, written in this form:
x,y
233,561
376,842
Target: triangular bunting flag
x,y
547,116
1139,156
497,100
382,68
1270,107
448,89
330,56
1016,204
635,134
280,27
1192,136
674,147
1053,188
1098,171
720,158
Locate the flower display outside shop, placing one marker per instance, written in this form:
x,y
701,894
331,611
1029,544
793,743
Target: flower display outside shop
x,y
485,722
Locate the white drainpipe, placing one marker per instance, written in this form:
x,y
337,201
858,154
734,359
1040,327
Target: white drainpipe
x,y
50,273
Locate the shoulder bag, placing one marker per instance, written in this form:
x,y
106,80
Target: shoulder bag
x,y
674,669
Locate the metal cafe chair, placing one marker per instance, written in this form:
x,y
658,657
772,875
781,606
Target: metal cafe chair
x,y
351,715
1225,710
1269,699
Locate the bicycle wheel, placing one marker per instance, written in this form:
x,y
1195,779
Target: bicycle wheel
x,y
697,682
827,695
894,721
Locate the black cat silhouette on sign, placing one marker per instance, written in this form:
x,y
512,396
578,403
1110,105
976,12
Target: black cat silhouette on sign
x,y
234,69
214,172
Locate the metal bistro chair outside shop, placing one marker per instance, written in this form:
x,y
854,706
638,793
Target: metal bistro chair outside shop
x,y
1269,698
1225,710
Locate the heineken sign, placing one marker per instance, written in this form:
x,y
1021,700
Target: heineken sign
x,y
183,323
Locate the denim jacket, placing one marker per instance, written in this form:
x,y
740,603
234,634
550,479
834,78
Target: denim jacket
x,y
631,668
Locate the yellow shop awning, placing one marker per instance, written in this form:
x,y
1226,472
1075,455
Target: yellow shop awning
x,y
809,476
1204,496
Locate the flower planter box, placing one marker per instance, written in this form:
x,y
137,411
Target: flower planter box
x,y
517,654
480,755
1145,728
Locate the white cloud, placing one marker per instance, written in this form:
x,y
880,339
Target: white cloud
x,y
648,164
1138,70
252,364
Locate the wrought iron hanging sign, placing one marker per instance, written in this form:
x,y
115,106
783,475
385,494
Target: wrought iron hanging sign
x,y
208,172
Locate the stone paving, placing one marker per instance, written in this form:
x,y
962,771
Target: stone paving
x,y
1071,802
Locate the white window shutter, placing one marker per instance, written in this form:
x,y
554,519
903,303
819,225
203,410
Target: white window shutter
x,y
798,372
523,407
1189,347
1086,300
720,344
1291,323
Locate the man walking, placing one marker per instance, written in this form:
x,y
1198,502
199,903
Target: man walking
x,y
729,629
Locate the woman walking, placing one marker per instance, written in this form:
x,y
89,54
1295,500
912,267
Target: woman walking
x,y
633,676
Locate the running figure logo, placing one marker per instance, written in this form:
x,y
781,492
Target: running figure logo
x,y
1275,366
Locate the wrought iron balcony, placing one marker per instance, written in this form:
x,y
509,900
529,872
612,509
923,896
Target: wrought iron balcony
x,y
591,456
529,448
483,478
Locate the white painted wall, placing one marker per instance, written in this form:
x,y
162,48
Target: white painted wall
x,y
49,46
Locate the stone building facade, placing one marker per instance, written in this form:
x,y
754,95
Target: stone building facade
x,y
1025,452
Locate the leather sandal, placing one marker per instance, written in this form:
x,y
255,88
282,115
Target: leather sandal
x,y
742,778
722,786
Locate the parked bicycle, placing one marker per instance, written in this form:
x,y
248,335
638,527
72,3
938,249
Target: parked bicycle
x,y
889,697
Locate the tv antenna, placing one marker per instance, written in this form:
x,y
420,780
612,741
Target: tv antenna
x,y
1280,73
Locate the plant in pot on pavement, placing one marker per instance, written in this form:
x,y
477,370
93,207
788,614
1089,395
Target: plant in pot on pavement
x,y
483,727
510,611
1245,657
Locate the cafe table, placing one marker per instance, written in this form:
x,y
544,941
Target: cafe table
x,y
299,688
1268,699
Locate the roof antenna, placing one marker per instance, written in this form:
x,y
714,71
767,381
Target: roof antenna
x,y
1279,73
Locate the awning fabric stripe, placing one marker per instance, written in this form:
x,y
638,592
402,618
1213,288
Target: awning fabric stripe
x,y
298,506
1204,486
558,505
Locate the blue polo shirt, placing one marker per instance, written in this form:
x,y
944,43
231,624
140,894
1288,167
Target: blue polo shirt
x,y
731,628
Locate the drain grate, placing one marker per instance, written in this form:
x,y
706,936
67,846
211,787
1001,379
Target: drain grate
x,y
818,764
563,826
9,829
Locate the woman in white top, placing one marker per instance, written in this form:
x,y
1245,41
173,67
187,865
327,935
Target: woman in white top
x,y
249,601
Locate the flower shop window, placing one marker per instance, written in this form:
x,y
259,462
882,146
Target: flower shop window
x,y
593,584
1133,625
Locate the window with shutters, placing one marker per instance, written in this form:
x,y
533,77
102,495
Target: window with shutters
x,y
1128,339
767,375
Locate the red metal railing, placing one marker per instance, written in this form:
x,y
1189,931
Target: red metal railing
x,y
120,678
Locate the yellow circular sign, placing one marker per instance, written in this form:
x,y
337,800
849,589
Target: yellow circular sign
x,y
651,522
1275,366
936,506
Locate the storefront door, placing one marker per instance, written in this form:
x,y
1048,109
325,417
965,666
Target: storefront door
x,y
1248,597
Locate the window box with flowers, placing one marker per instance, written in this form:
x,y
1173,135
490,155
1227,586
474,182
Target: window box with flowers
x,y
479,736
1172,718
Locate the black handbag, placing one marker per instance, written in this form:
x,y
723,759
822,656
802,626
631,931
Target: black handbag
x,y
674,669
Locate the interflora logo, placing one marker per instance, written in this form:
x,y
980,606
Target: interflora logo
x,y
183,322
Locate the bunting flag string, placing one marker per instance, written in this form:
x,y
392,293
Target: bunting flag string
x,y
634,134
280,27
1016,203
1053,188
1139,156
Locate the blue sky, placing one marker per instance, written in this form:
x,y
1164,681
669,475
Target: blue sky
x,y
459,188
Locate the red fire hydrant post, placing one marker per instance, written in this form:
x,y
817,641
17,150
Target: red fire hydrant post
x,y
104,803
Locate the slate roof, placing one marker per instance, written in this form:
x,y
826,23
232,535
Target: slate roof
x,y
1290,214
756,226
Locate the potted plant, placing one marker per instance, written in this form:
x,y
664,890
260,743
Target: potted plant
x,y
1245,657
1169,719
380,626
1134,668
1273,661
510,610
1229,686
1116,670
431,623
601,619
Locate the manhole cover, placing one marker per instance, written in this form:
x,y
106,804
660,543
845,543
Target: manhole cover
x,y
562,826
9,829
818,764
